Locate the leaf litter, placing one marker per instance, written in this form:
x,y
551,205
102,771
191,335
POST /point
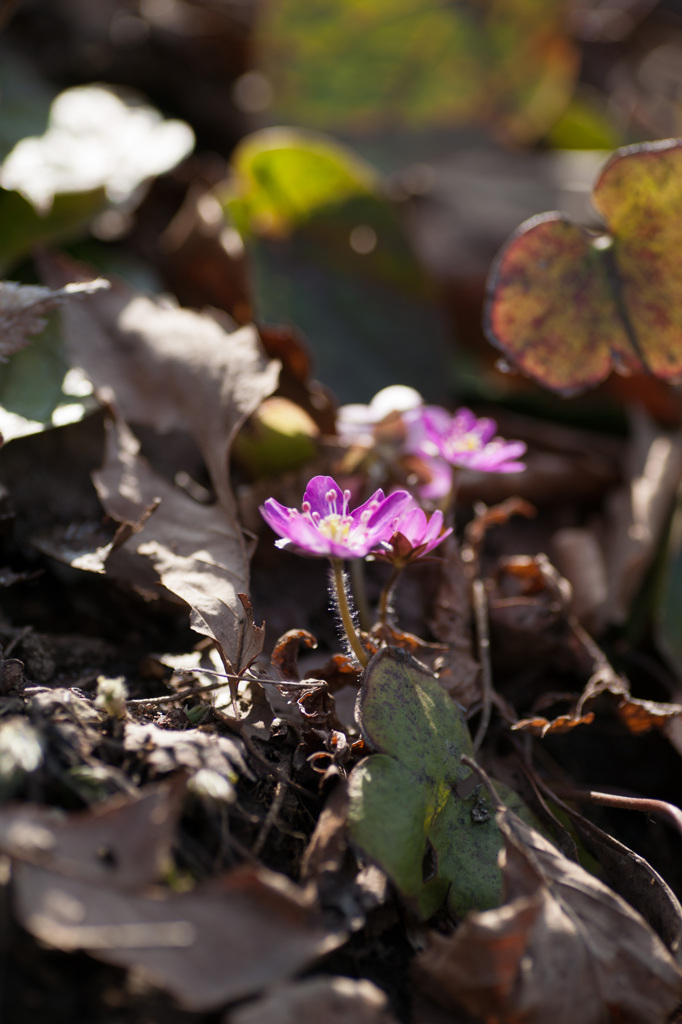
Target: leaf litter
x,y
351,811
195,800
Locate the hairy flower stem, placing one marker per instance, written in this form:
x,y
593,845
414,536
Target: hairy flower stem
x,y
386,600
339,591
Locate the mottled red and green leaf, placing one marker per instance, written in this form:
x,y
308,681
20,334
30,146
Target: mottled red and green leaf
x,y
567,305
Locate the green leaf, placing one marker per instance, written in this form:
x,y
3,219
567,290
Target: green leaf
x,y
400,65
585,124
23,227
567,305
328,255
404,811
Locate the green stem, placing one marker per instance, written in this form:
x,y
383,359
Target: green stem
x,y
387,595
340,592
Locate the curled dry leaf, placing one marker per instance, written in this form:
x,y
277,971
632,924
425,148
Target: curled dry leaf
x,y
563,947
578,555
285,654
328,844
643,715
543,726
528,603
23,308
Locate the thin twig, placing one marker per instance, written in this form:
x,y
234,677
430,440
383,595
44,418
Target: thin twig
x,y
196,691
483,637
168,698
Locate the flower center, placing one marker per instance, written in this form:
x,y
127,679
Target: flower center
x,y
463,443
335,526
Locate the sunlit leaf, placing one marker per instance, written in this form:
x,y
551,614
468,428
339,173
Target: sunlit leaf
x,y
95,139
328,256
567,305
364,68
97,149
404,808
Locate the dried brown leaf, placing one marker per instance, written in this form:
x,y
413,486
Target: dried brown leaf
x,y
252,637
528,604
563,947
190,750
577,554
329,842
319,1000
223,941
123,842
562,723
172,369
197,550
285,654
642,715
637,513
23,308
634,879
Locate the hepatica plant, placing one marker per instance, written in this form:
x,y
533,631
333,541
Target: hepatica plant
x,y
396,437
326,527
390,527
403,798
460,440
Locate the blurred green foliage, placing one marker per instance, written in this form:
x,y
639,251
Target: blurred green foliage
x,y
359,68
328,254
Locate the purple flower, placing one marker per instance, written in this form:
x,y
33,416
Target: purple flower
x,y
462,440
414,537
325,527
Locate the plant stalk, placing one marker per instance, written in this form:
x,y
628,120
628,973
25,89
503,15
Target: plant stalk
x,y
340,593
386,599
